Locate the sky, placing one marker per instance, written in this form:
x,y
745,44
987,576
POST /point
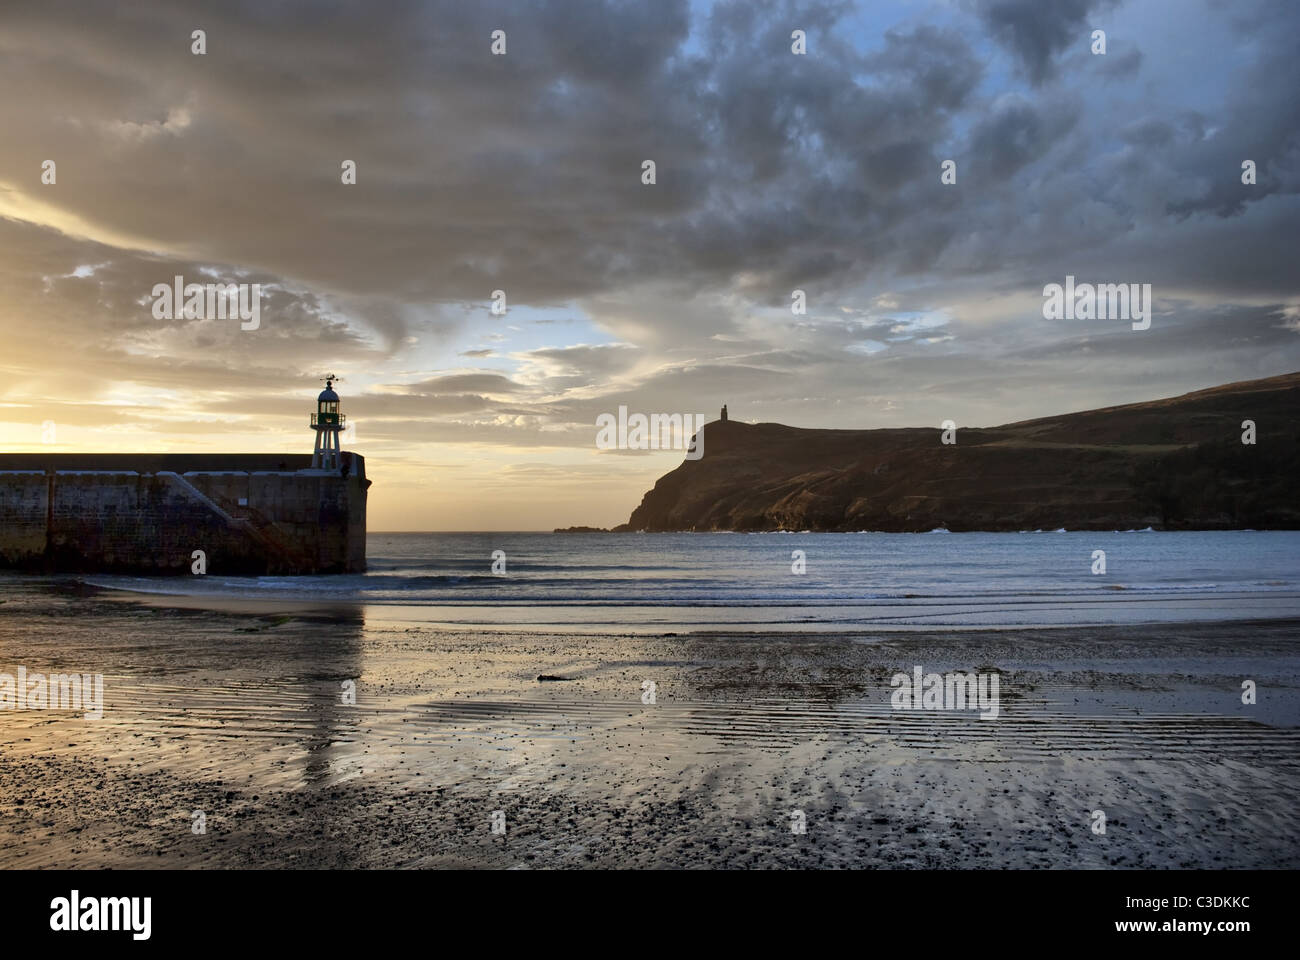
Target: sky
x,y
523,172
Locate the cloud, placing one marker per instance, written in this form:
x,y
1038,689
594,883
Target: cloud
x,y
1036,32
465,383
775,172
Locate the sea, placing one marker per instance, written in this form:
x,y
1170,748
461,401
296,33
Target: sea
x,y
670,582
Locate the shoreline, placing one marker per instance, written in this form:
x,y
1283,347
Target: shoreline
x,y
1110,607
239,716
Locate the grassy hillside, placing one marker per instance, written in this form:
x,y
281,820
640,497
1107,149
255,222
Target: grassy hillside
x,y
1177,463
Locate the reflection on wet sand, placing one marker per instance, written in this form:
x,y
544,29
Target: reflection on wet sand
x,y
243,716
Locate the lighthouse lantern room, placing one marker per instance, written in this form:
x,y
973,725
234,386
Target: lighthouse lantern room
x,y
327,422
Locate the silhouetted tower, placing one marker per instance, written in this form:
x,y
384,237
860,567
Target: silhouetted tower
x,y
724,413
327,422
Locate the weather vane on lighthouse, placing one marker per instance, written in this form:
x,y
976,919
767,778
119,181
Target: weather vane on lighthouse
x,y
327,422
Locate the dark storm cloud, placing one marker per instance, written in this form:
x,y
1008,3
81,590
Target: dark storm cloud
x,y
1036,31
1261,121
1149,133
1118,66
1016,134
476,171
522,172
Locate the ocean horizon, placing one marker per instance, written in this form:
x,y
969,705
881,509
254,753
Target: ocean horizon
x,y
748,581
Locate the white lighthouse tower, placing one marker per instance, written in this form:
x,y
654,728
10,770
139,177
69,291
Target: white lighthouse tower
x,y
327,422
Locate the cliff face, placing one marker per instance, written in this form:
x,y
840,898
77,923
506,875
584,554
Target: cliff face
x,y
1174,464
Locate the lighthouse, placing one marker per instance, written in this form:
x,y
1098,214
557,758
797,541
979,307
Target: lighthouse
x,y
327,422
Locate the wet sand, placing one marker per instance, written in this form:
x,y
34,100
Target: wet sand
x,y
239,714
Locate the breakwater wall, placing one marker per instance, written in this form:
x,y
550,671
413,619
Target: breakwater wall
x,y
249,514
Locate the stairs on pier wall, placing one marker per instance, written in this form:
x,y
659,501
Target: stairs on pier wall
x,y
280,553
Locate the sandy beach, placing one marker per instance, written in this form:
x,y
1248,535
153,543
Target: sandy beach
x,y
759,750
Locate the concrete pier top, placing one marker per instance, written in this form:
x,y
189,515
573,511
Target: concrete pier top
x,y
154,462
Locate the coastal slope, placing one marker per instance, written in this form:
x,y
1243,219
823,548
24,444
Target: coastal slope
x,y
1178,463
